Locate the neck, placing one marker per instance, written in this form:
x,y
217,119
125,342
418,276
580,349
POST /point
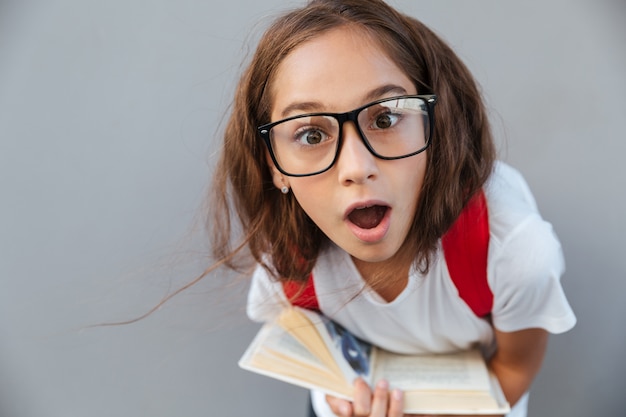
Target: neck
x,y
388,278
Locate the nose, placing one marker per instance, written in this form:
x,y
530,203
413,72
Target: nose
x,y
355,163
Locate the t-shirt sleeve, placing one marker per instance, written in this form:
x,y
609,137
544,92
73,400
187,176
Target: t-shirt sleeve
x,y
266,298
525,279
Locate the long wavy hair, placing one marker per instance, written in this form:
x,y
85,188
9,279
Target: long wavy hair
x,y
251,216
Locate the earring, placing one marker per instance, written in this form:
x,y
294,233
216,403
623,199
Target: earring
x,y
284,190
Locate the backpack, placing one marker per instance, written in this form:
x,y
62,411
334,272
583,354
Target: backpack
x,y
465,247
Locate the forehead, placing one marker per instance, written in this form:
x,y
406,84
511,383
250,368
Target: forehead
x,y
337,71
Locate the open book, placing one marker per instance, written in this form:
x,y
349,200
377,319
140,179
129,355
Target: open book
x,y
308,349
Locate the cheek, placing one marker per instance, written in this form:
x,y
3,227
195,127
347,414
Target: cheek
x,y
313,195
413,185
414,169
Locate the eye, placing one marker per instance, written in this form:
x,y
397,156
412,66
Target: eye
x,y
385,120
310,136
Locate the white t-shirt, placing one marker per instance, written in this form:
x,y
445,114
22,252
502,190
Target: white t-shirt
x,y
525,263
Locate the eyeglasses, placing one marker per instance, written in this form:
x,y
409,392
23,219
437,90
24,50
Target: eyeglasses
x,y
391,128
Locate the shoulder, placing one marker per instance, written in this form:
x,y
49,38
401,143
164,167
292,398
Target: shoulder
x,y
266,297
515,224
525,258
517,229
509,200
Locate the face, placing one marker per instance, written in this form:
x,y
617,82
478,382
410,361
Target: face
x,y
365,205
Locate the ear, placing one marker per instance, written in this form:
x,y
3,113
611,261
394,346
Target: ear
x,y
278,178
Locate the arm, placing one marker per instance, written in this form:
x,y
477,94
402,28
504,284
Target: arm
x,y
517,360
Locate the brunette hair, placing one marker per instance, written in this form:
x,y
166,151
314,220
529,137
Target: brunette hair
x,y
275,229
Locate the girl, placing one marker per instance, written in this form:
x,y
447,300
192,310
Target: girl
x,y
356,139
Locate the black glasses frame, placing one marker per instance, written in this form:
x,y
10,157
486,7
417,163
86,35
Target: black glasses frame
x,y
352,116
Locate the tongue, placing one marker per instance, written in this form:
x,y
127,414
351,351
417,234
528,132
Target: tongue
x,y
368,218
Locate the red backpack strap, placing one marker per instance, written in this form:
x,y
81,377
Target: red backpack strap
x,y
302,295
465,248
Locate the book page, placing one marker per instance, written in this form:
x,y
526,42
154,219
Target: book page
x,y
278,340
459,371
277,354
351,355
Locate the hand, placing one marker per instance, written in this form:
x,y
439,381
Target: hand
x,y
380,403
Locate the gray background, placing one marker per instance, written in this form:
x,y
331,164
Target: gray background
x,y
108,113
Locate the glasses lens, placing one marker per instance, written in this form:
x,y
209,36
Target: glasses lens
x,y
397,127
305,145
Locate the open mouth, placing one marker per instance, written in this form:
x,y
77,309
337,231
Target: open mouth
x,y
368,217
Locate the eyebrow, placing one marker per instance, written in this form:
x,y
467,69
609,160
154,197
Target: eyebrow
x,y
314,106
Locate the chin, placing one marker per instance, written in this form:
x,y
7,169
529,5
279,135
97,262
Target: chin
x,y
373,255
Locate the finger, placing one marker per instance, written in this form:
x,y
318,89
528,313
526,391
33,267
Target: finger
x,y
396,403
381,399
362,404
339,406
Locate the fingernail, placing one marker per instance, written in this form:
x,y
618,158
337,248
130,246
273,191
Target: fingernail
x,y
382,384
344,409
396,394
